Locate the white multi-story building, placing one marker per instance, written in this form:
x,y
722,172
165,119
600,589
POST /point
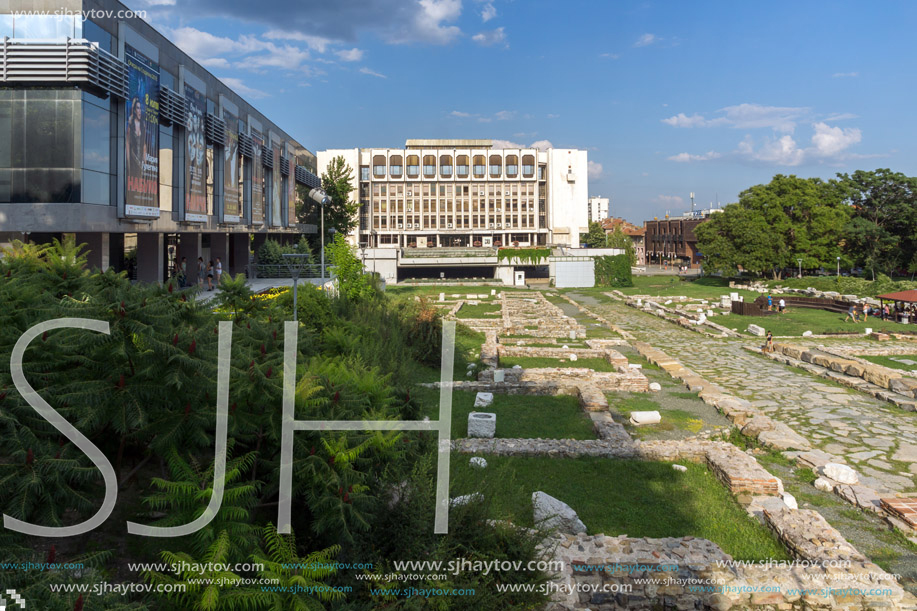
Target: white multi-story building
x,y
597,210
465,193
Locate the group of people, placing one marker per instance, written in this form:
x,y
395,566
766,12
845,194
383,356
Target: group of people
x,y
781,305
212,272
900,312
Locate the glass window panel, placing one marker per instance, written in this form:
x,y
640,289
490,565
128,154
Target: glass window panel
x,y
93,33
6,131
6,28
96,187
47,26
96,139
49,134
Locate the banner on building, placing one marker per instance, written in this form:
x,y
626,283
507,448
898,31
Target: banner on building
x,y
232,209
291,192
195,165
257,179
141,136
277,191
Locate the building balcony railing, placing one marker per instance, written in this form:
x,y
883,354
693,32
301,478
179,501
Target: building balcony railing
x,y
72,60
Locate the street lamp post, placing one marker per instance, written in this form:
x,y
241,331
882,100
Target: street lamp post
x,y
296,263
838,267
373,243
800,267
322,215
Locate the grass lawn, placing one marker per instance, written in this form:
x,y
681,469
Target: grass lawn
x,y
518,416
671,418
482,310
467,350
532,362
886,361
798,320
636,498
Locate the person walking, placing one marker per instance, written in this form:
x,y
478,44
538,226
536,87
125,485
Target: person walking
x,y
183,273
218,272
782,306
200,272
851,313
770,302
210,275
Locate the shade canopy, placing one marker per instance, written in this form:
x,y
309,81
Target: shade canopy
x,y
906,296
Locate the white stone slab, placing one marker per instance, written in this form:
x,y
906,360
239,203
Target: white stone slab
x,y
642,418
483,399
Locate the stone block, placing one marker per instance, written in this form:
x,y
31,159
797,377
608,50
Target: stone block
x,y
784,438
644,418
499,376
823,485
904,386
552,513
757,425
756,330
482,424
840,473
855,370
880,376
655,386
483,399
478,462
474,497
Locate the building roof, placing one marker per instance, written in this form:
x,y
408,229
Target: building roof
x,y
630,229
458,144
908,296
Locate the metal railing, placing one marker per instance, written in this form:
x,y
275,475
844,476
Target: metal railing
x,y
281,270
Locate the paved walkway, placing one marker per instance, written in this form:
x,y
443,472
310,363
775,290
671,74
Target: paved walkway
x,y
879,440
260,284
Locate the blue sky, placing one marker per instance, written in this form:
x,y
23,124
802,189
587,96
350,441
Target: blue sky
x,y
667,97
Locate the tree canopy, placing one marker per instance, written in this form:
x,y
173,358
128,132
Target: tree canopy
x,y
341,213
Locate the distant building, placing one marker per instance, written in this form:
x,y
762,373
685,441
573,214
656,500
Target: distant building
x,y
466,193
598,208
671,240
636,234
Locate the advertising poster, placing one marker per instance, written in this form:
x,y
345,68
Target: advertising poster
x,y
195,166
257,179
277,206
141,136
291,190
232,210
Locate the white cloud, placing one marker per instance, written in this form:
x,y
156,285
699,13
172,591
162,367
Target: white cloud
x,y
682,120
316,43
429,23
507,144
669,200
593,169
350,55
365,70
841,116
505,115
845,75
488,13
287,57
551,116
609,55
242,89
203,45
215,62
829,141
646,40
488,38
828,145
746,116
688,157
541,145
460,114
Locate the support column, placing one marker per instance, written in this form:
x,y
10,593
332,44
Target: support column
x,y
237,260
97,249
219,247
150,257
189,246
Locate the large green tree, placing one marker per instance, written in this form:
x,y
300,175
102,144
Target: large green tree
x,y
882,232
341,213
596,236
774,225
618,239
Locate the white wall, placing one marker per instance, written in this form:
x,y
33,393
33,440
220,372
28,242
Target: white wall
x,y
568,200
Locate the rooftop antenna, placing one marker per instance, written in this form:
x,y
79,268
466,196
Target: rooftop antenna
x,y
692,202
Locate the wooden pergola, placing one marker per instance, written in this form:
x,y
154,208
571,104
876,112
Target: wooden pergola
x,y
909,296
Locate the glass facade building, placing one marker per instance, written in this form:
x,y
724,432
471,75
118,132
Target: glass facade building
x,y
110,132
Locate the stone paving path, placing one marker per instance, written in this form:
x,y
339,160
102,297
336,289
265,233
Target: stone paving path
x,y
877,439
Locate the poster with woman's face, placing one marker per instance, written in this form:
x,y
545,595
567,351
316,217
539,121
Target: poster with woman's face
x,y
257,179
195,185
141,136
231,207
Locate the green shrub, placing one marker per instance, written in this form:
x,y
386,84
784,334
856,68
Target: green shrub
x,y
613,271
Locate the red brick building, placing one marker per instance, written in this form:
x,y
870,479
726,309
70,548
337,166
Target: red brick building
x,y
672,240
635,233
